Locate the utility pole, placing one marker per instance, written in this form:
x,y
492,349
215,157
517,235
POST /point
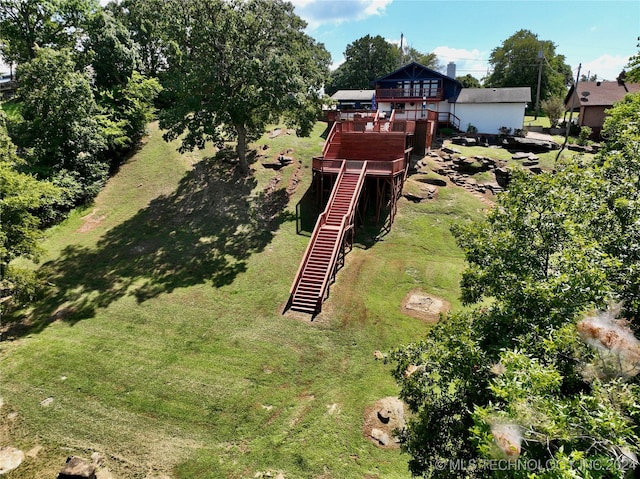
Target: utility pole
x,y
540,57
573,104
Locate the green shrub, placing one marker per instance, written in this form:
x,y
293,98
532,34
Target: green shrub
x,y
19,287
583,136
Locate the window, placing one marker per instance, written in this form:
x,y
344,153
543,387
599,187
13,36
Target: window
x,y
430,88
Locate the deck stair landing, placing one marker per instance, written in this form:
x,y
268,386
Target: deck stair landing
x,y
320,260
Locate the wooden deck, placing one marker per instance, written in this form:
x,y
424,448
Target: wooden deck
x,y
367,147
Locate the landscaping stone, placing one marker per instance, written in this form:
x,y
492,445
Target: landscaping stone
x,y
77,468
382,419
523,155
581,148
433,181
10,458
285,160
503,176
413,198
464,141
450,151
529,144
380,436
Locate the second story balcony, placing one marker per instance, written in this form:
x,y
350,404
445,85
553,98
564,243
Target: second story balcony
x,y
417,94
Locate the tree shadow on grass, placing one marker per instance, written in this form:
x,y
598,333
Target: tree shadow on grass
x,y
204,232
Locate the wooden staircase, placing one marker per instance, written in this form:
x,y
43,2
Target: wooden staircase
x,y
327,243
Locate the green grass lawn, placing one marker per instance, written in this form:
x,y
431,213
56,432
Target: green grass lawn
x,y
542,121
162,344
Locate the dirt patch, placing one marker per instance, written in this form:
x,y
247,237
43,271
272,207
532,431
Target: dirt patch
x,y
424,306
383,420
91,221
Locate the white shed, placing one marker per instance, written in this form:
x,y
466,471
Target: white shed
x,y
489,109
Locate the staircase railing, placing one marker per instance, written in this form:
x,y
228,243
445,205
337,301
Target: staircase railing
x,y
335,130
346,222
321,221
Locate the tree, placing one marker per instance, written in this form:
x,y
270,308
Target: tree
x,y
554,109
59,131
632,69
27,24
238,66
366,59
589,77
148,22
429,60
469,81
110,51
516,63
126,111
530,379
20,197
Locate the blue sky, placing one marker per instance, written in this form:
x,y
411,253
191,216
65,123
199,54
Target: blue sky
x,y
601,35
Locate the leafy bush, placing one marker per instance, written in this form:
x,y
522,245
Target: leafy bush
x,y
471,129
19,287
504,131
554,109
584,135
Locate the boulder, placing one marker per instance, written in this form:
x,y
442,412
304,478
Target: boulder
x,y
77,468
274,165
503,176
10,458
434,181
529,144
285,160
464,141
450,151
523,155
380,436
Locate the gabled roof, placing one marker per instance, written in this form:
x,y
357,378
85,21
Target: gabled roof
x,y
495,95
353,95
414,70
604,93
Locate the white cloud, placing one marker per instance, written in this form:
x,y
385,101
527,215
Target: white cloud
x,y
607,67
318,12
473,62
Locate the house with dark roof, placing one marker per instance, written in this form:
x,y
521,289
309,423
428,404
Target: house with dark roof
x,y
412,90
490,109
435,100
592,99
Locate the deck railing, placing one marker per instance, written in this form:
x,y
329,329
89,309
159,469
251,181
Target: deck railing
x,y
381,126
335,130
417,93
386,167
345,225
321,221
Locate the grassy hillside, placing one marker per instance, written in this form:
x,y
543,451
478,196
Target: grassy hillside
x,y
162,345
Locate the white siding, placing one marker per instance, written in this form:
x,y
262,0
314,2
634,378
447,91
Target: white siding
x,y
489,118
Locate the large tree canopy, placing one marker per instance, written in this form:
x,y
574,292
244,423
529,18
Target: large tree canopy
x,y
149,26
366,59
369,58
532,385
239,65
60,133
27,24
516,63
